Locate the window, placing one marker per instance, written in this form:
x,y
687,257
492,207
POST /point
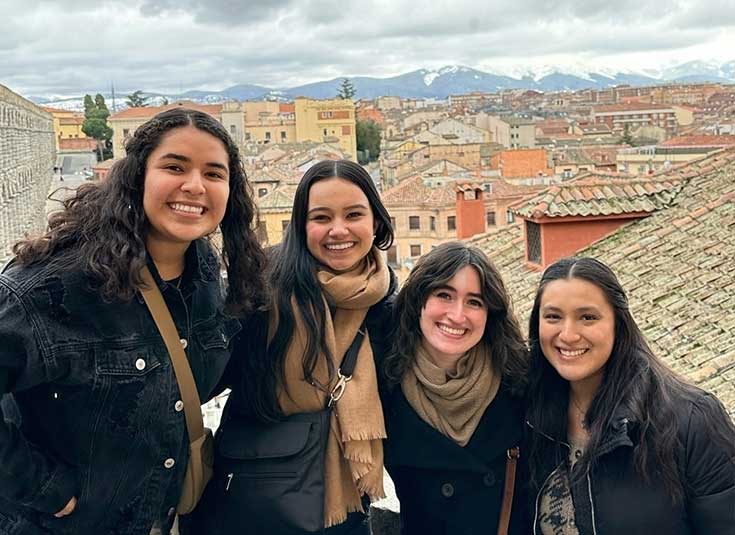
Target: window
x,y
283,135
490,219
452,222
533,242
233,129
262,192
126,132
415,250
267,136
510,217
326,133
393,222
346,130
414,222
392,255
432,223
247,136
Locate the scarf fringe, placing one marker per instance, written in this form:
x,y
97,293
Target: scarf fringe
x,y
363,436
337,518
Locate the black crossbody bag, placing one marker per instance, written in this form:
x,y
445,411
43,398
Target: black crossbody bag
x,y
271,475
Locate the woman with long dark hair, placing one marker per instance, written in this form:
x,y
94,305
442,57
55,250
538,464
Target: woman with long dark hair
x,y
328,278
452,396
102,445
618,442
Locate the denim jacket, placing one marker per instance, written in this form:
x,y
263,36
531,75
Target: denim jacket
x,y
98,414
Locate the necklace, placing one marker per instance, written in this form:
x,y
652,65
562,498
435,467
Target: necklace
x,y
582,413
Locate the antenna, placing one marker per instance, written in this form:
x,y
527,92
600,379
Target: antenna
x,y
112,90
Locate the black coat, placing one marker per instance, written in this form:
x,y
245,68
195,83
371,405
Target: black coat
x,y
614,500
443,488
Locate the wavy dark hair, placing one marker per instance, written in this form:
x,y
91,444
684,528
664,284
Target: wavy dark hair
x,y
293,272
502,331
102,227
635,383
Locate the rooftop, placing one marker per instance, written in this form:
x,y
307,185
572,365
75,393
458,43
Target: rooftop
x,y
145,112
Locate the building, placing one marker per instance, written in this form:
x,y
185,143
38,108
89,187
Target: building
x,y
523,164
67,124
635,115
330,121
675,264
27,157
675,151
511,132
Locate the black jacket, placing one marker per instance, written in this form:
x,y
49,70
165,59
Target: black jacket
x,y
613,500
94,397
217,513
446,489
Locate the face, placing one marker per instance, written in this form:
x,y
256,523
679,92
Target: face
x,y
453,318
576,330
339,224
186,188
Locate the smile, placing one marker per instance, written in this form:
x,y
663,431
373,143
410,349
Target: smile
x,y
450,330
186,208
571,353
339,246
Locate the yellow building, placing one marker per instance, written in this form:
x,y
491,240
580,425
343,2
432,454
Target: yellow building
x,y
331,121
275,213
67,124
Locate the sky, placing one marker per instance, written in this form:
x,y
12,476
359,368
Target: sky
x,y
68,47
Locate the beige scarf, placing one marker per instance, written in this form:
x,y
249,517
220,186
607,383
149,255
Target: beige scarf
x,y
452,403
354,456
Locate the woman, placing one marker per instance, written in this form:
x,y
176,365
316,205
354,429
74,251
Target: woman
x,y
327,277
619,443
451,406
102,445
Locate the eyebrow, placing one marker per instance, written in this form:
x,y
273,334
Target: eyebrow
x,y
185,159
449,287
580,309
350,207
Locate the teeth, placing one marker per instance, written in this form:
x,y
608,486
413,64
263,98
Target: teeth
x,y
186,208
449,330
339,246
569,353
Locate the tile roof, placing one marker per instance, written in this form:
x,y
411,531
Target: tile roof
x,y
631,106
675,265
413,192
699,141
278,200
146,112
593,195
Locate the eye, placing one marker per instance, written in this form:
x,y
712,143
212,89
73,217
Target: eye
x,y
476,303
589,317
174,167
217,175
318,217
551,316
443,294
355,215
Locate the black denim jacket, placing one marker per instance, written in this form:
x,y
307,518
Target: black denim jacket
x,y
97,398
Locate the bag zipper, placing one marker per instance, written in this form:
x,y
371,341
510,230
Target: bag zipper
x,y
229,481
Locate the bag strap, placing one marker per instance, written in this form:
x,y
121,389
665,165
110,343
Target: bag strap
x,y
347,366
510,482
182,370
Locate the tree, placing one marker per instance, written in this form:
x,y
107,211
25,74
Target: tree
x,y
346,90
368,140
95,125
164,101
627,137
136,99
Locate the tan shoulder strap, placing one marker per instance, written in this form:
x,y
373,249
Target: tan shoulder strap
x,y
167,329
510,480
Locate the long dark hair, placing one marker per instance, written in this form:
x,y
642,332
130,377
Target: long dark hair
x,y
293,272
635,383
102,228
435,269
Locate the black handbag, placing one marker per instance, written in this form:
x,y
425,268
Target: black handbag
x,y
272,474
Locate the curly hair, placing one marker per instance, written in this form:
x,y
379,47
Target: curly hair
x,y
102,227
502,331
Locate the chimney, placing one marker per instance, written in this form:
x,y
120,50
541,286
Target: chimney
x,y
470,211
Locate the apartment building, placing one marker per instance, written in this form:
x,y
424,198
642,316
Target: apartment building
x,y
635,115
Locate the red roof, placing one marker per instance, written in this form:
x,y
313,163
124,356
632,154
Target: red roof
x,y
631,106
81,143
287,108
699,141
146,112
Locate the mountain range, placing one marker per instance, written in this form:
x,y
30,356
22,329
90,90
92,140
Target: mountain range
x,y
450,80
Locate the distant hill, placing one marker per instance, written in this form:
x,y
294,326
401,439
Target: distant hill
x,y
450,80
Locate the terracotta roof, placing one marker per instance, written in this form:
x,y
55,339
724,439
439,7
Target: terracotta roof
x,y
413,192
147,112
675,265
287,108
278,200
77,143
631,106
596,196
699,141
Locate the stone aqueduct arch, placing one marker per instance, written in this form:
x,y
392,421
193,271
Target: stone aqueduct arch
x,y
27,155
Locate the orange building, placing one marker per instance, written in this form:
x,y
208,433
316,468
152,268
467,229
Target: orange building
x,y
522,163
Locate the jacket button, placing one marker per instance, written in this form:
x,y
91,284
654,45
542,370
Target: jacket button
x,y
179,406
140,364
169,463
184,343
447,490
171,512
488,479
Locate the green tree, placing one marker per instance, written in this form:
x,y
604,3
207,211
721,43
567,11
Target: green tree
x,y
164,101
627,137
95,125
346,89
368,140
136,99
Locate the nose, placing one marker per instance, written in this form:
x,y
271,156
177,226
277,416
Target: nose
x,y
455,312
339,229
193,184
569,332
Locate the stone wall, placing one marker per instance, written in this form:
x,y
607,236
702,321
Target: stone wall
x,y
27,155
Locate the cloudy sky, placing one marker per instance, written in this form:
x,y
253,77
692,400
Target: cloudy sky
x,y
65,47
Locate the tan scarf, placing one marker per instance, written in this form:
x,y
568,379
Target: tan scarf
x,y
452,403
354,456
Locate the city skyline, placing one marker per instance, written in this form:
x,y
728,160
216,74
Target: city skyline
x,y
161,45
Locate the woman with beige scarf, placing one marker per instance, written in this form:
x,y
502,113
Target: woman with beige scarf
x,y
327,278
451,388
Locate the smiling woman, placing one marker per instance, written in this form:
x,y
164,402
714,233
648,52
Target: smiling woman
x,y
102,443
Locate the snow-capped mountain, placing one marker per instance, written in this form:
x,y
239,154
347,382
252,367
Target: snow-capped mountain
x,y
451,80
